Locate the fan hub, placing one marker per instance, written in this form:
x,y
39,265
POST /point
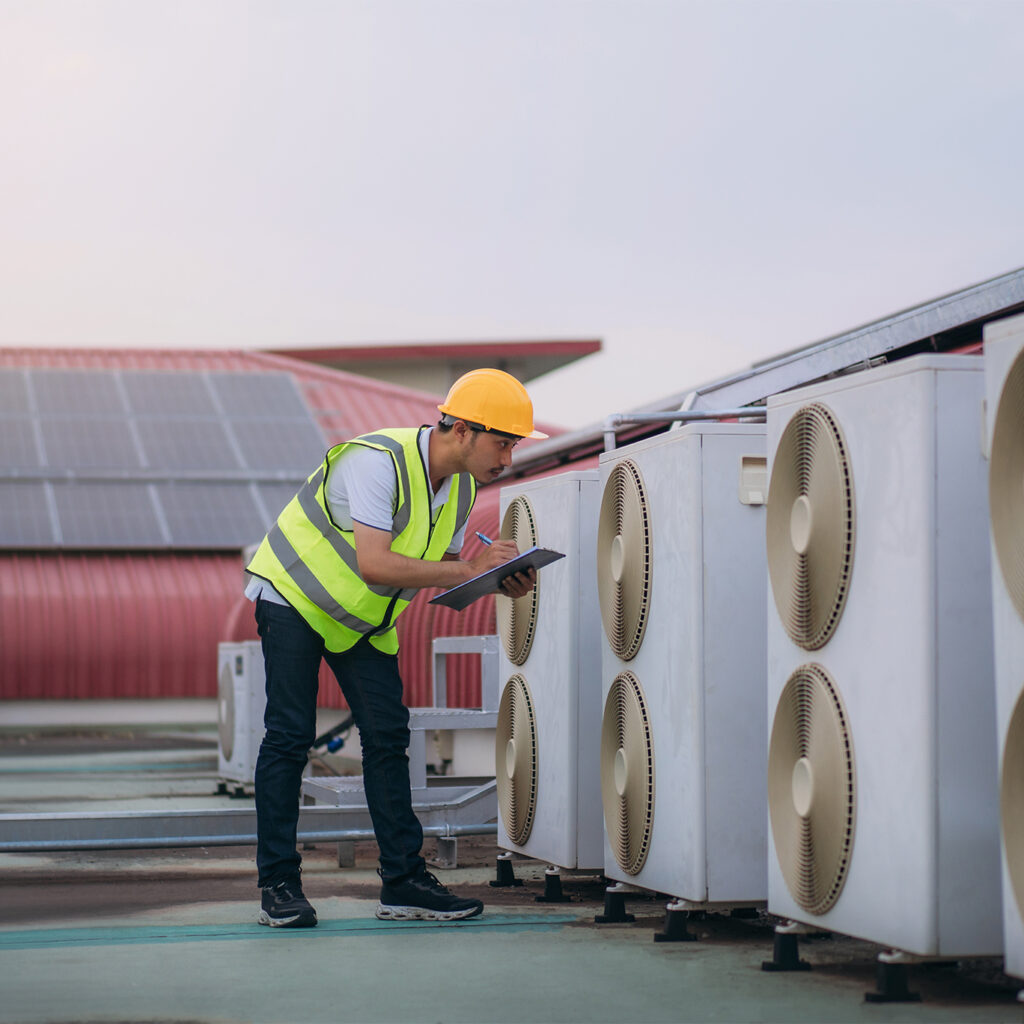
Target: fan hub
x,y
621,772
510,759
803,787
617,558
801,520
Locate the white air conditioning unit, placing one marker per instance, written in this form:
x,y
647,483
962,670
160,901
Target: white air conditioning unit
x,y
881,763
549,715
1004,374
241,701
682,581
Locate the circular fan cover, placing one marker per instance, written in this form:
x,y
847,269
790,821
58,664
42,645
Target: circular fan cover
x,y
624,559
812,788
226,711
1006,482
517,617
627,773
810,526
515,759
1012,802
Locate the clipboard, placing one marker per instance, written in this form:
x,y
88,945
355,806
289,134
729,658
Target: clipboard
x,y
487,583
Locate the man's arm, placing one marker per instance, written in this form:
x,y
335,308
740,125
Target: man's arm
x,y
380,566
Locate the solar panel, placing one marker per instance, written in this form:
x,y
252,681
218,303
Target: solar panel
x,y
258,394
275,497
173,444
107,514
95,442
211,515
135,459
13,392
18,443
24,515
76,393
168,394
287,445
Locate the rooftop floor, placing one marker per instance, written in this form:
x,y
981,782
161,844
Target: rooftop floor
x,y
171,935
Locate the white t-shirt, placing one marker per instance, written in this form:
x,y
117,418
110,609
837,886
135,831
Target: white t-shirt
x,y
362,486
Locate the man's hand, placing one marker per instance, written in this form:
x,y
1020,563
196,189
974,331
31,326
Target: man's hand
x,y
519,584
492,555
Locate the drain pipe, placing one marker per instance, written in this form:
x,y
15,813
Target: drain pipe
x,y
619,419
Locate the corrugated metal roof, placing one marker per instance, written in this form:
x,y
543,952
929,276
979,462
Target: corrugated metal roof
x,y
100,626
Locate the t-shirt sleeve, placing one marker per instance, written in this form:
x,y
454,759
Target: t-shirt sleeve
x,y
457,541
362,487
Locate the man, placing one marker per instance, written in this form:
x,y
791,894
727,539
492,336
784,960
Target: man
x,y
382,517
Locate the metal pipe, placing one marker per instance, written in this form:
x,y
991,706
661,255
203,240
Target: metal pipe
x,y
618,419
249,839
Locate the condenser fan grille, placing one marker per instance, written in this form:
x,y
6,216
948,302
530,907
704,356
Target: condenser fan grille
x,y
517,617
515,757
624,559
1012,802
226,711
812,788
810,526
1006,483
627,773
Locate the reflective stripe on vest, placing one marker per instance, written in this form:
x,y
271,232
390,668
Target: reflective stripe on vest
x,y
312,562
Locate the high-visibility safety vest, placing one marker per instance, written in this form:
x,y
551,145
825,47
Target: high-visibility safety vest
x,y
311,562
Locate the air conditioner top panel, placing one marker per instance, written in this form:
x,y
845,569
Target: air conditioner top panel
x,y
912,364
674,437
510,490
1000,329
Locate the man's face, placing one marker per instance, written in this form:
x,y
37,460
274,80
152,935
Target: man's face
x,y
488,455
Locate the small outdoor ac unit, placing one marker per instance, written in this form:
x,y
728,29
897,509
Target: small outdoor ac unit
x,y
241,701
882,785
549,716
1004,374
682,580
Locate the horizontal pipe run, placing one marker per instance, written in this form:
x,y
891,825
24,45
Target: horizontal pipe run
x,y
616,420
249,839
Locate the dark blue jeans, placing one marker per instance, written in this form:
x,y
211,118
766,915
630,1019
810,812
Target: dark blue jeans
x,y
292,652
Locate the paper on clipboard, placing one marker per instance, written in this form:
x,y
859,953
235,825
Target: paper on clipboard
x,y
487,583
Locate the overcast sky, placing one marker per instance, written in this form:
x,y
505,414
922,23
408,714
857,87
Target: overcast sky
x,y
698,184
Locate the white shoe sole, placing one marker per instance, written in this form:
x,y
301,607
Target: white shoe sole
x,y
282,922
390,913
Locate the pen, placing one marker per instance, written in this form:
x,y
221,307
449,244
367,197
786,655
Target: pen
x,y
483,536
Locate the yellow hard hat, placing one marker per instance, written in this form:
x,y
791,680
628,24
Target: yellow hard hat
x,y
494,400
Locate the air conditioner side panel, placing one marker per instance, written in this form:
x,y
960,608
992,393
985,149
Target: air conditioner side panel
x,y
1003,341
967,736
735,731
589,808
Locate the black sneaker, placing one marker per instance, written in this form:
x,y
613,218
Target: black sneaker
x,y
423,898
284,906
